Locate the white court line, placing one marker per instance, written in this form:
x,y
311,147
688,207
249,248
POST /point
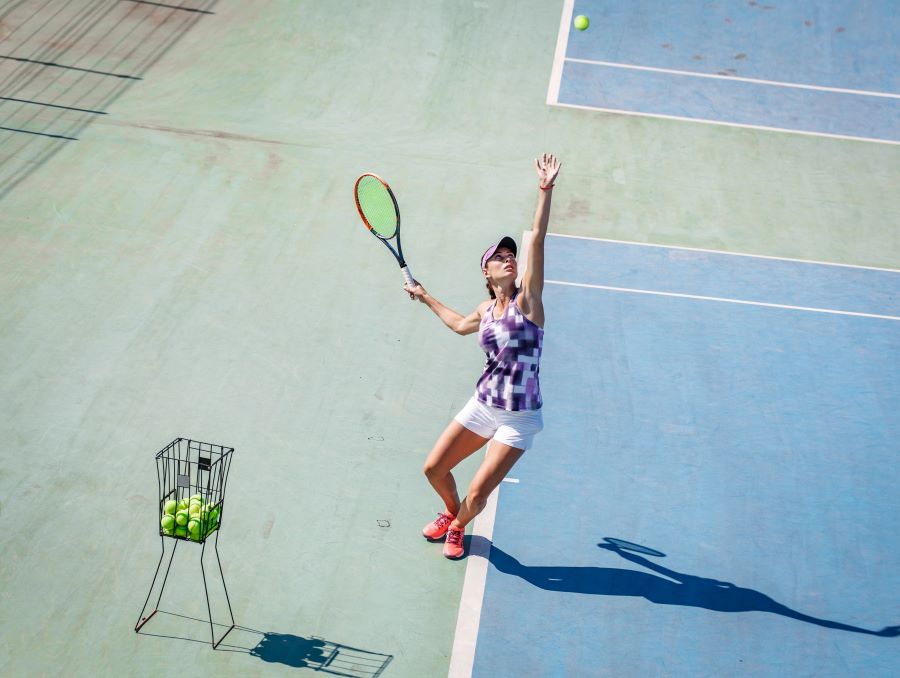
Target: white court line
x,y
726,252
723,123
723,299
738,78
462,657
559,57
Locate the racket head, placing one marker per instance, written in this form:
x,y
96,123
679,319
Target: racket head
x,y
634,548
377,205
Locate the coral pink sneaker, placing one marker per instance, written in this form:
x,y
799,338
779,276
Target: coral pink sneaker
x,y
438,528
453,547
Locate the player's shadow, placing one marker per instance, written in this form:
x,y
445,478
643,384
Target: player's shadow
x,y
665,587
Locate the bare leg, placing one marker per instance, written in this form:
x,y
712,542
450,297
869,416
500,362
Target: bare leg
x,y
497,463
455,444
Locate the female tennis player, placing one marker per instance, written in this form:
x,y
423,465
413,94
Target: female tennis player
x,y
506,407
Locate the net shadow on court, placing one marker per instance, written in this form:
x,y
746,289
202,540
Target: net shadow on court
x,y
63,66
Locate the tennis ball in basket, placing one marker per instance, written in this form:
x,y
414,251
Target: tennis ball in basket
x,y
194,509
193,526
182,504
170,507
582,22
181,531
167,522
182,517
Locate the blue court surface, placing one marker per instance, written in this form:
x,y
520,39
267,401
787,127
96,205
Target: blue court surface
x,y
736,416
825,67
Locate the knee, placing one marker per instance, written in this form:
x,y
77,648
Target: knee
x,y
477,497
432,469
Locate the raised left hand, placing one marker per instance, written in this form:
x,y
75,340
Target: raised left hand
x,y
547,169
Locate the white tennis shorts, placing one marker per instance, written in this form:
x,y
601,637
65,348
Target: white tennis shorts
x,y
516,429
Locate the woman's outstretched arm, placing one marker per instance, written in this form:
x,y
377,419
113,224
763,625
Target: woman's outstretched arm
x,y
459,323
547,167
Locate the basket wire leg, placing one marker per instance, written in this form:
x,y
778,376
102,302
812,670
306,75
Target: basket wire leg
x,y
215,643
142,619
222,574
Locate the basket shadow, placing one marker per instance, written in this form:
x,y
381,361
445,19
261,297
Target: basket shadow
x,y
309,652
319,654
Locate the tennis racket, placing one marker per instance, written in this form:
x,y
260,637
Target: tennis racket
x,y
378,210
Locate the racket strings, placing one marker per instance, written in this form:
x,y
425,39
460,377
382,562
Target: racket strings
x,y
376,206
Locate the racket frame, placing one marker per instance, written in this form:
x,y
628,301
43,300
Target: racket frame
x,y
398,253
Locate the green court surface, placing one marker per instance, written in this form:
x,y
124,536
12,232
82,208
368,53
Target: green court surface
x,y
193,265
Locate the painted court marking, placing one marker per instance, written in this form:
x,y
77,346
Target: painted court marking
x,y
723,299
724,252
462,657
721,123
560,59
737,78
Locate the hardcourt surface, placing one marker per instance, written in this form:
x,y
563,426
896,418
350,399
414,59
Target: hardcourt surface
x,y
193,266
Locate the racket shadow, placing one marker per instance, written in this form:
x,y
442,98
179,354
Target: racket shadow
x,y
662,585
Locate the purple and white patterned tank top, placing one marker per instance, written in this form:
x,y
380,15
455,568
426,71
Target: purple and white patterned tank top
x,y
512,345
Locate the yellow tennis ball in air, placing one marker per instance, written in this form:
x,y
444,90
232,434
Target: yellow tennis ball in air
x,y
582,22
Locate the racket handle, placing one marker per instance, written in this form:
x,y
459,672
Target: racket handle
x,y
407,276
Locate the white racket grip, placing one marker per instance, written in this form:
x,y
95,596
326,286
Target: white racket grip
x,y
407,276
